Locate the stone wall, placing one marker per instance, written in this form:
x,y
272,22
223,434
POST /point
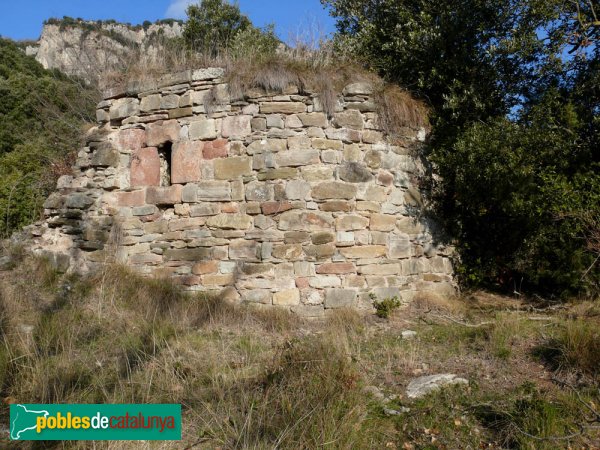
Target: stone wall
x,y
267,200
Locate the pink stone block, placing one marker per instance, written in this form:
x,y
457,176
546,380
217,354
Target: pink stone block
x,y
164,131
218,148
135,198
145,167
236,126
186,160
164,195
130,140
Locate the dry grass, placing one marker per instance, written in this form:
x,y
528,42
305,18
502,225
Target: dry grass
x,y
309,65
258,378
398,111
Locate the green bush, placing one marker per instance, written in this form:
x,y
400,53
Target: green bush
x,y
385,307
42,114
515,127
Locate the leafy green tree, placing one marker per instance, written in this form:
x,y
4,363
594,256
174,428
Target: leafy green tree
x,y
212,25
215,27
515,125
42,114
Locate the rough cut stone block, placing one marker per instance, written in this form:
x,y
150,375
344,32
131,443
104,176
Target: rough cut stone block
x,y
282,108
319,252
204,209
288,297
350,222
218,279
292,158
270,208
382,222
352,119
297,189
317,173
233,167
219,148
169,101
275,121
105,155
266,145
164,195
216,191
321,282
188,254
242,249
184,224
304,221
340,298
236,127
299,143
336,268
355,172
205,267
323,237
399,246
278,174
263,296
230,221
203,129
336,206
327,144
164,131
135,198
124,107
360,88
185,161
150,103
210,73
333,189
145,167
364,251
290,252
145,210
381,269
130,140
296,237
317,119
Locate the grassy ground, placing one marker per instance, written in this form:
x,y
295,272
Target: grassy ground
x,y
253,378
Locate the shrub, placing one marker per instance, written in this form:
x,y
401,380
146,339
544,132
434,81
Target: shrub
x,y
43,114
386,307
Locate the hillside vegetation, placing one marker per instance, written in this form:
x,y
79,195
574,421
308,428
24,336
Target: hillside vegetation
x,y
42,119
513,87
254,378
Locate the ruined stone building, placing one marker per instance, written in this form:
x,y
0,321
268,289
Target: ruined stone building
x,y
268,200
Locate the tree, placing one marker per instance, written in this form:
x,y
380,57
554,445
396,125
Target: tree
x,y
212,25
42,113
515,124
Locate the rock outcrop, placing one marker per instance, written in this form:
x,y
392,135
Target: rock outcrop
x,y
89,50
267,199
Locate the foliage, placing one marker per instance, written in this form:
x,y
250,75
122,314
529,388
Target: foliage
x,y
515,126
384,308
41,117
214,27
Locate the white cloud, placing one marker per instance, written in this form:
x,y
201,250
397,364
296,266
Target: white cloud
x,y
176,9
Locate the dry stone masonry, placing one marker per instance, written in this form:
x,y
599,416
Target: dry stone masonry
x,y
266,200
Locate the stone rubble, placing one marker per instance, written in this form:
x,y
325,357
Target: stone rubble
x,y
267,199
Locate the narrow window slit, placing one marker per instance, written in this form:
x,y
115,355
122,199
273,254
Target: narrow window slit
x,y
164,153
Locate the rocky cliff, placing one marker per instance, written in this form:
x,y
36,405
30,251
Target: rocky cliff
x,y
89,49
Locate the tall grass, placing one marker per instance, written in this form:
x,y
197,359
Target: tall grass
x,y
246,378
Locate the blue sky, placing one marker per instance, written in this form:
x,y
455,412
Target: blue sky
x,y
23,19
